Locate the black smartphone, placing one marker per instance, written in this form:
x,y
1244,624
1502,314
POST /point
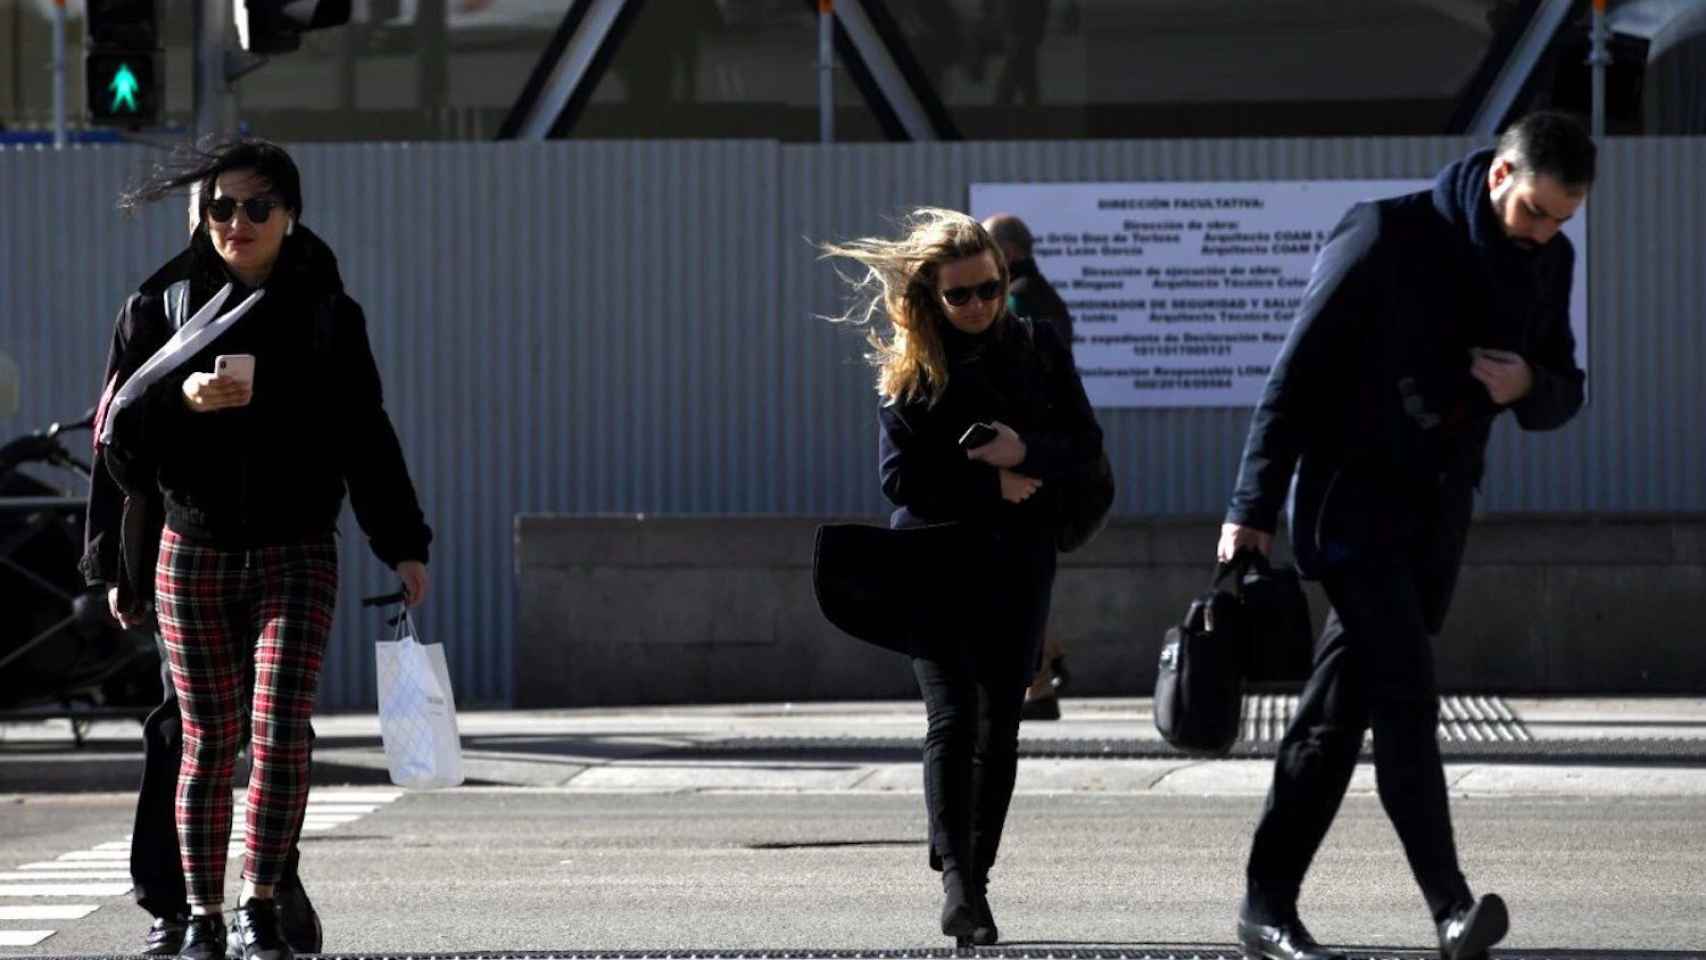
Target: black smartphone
x,y
977,435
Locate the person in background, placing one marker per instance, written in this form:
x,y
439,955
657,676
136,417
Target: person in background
x,y
1030,295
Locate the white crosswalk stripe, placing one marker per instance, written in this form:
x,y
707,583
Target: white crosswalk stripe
x,y
58,911
65,889
45,875
104,869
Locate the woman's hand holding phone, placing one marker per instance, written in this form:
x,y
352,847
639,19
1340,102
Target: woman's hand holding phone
x,y
232,384
1006,450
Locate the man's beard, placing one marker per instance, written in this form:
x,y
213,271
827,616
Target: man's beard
x,y
1503,205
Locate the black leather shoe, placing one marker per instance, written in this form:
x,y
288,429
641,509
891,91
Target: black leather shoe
x,y
297,915
1285,941
1469,931
204,938
166,936
261,933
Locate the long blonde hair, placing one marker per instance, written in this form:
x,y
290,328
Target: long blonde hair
x,y
899,286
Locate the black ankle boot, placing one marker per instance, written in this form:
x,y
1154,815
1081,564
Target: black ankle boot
x,y
959,908
260,931
985,933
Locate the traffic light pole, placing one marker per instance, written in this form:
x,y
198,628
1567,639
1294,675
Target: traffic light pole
x,y
58,73
214,110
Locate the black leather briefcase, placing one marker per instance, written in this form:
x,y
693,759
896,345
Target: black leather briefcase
x,y
1199,688
1282,639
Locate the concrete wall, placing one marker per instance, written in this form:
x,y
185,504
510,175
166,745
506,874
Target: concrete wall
x,y
630,610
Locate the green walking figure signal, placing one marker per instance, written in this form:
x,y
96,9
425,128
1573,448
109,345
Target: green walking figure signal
x,y
124,87
123,65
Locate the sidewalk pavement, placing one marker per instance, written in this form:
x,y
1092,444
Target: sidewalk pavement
x,y
871,748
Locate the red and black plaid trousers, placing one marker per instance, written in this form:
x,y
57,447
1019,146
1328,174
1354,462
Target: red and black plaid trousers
x,y
218,608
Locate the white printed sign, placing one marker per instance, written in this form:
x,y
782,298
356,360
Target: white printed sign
x,y
1182,293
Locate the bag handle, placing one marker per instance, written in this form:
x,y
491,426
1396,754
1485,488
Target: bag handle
x,y
386,600
1241,563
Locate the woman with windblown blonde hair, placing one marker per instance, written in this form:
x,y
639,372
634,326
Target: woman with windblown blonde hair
x,y
979,413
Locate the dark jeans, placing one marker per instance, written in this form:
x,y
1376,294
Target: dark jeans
x,y
973,684
1373,670
156,868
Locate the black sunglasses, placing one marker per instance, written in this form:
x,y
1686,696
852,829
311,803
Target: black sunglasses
x,y
256,209
960,296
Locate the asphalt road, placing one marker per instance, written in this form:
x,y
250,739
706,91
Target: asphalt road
x,y
532,869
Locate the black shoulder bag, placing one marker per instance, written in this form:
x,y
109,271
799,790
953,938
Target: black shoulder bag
x,y
1086,493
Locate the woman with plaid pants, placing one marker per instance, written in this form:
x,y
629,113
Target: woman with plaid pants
x,y
244,401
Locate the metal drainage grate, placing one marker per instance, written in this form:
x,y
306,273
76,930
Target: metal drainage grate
x,y
1675,751
1034,952
1462,719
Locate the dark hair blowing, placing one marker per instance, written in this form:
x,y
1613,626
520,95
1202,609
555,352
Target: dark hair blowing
x,y
1551,143
201,165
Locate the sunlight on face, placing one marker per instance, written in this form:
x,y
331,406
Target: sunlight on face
x,y
970,277
1532,209
248,248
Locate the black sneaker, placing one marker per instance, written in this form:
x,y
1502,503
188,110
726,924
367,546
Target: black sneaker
x,y
259,930
297,915
204,938
166,935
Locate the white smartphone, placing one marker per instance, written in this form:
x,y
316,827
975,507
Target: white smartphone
x,y
235,366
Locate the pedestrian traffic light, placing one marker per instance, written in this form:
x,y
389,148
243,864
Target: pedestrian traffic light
x,y
276,26
123,87
122,77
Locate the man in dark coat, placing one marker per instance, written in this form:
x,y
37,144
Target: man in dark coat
x,y
1030,295
1426,317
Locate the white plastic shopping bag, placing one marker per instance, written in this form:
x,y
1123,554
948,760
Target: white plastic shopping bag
x,y
417,711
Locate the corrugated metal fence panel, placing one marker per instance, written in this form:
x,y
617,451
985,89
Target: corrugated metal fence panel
x,y
635,327
67,259
576,328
